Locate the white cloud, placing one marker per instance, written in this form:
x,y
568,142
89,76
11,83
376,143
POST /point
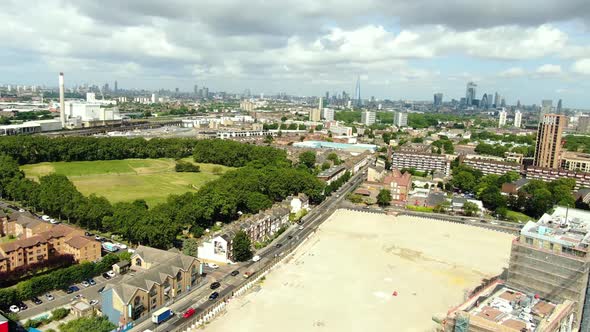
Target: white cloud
x,y
582,66
512,72
549,69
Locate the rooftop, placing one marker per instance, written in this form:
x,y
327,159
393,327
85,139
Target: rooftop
x,y
572,232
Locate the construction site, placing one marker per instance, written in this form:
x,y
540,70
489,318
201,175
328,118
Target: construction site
x,y
373,272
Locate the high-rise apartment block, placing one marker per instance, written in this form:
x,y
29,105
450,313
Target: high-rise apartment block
x,y
517,119
368,117
549,141
502,118
328,114
400,119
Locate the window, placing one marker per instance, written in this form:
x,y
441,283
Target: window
x,y
137,301
529,240
551,246
138,262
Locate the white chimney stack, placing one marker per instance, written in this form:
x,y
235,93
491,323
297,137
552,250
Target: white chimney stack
x,y
62,106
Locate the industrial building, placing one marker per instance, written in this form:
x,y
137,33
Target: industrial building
x,y
550,258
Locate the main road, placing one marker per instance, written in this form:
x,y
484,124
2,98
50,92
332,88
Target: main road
x,y
198,299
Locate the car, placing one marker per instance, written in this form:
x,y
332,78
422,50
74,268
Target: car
x,y
300,228
289,237
111,273
97,237
85,283
49,297
103,240
36,300
106,276
45,217
53,221
100,289
235,273
88,234
122,246
14,309
215,285
213,265
189,312
279,245
91,281
72,289
213,296
77,297
21,210
22,306
93,302
256,258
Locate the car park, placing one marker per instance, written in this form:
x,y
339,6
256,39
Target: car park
x,y
22,306
14,308
36,300
213,296
189,313
235,273
215,285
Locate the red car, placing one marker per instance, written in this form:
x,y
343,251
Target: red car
x,y
189,313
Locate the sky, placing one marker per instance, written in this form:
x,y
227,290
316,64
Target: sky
x,y
525,50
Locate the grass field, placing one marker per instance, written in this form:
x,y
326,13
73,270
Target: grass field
x,y
129,179
519,216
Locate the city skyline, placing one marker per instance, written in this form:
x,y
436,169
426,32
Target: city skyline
x,y
400,51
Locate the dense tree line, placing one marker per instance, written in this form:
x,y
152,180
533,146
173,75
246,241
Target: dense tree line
x,y
485,135
58,279
534,199
185,166
577,143
267,178
335,185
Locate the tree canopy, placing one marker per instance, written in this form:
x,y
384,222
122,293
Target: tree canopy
x,y
242,248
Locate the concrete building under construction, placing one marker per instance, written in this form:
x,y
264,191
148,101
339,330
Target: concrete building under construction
x,y
550,258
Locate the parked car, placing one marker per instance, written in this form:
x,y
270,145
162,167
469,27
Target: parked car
x,y
111,273
300,227
256,258
49,297
279,245
14,308
213,296
189,313
22,306
213,265
85,283
106,276
289,237
93,302
215,285
235,273
45,217
53,221
77,297
72,289
21,210
97,238
36,300
88,234
91,281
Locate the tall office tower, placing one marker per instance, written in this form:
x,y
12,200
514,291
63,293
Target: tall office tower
x,y
206,93
357,92
438,98
470,93
518,104
558,109
484,101
62,104
321,104
517,119
106,87
502,118
327,95
368,117
400,119
116,87
496,100
546,108
196,89
549,141
503,102
490,100
176,90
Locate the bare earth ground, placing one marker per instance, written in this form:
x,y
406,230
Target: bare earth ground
x,y
343,277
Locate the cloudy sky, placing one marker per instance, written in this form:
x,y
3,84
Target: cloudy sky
x,y
525,49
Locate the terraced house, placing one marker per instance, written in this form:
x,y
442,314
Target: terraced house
x,y
159,276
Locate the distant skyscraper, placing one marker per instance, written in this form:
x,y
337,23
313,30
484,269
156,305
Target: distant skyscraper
x,y
400,119
503,102
546,108
116,87
558,110
484,101
549,141
206,93
518,104
496,100
196,89
517,119
368,117
438,98
470,93
176,90
357,92
490,100
502,118
321,104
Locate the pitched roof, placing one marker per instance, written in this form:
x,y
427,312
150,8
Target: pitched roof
x,y
26,219
24,243
399,178
80,242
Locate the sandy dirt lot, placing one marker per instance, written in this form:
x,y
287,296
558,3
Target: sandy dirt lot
x,y
344,276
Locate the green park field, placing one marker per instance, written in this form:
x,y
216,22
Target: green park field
x,y
126,180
